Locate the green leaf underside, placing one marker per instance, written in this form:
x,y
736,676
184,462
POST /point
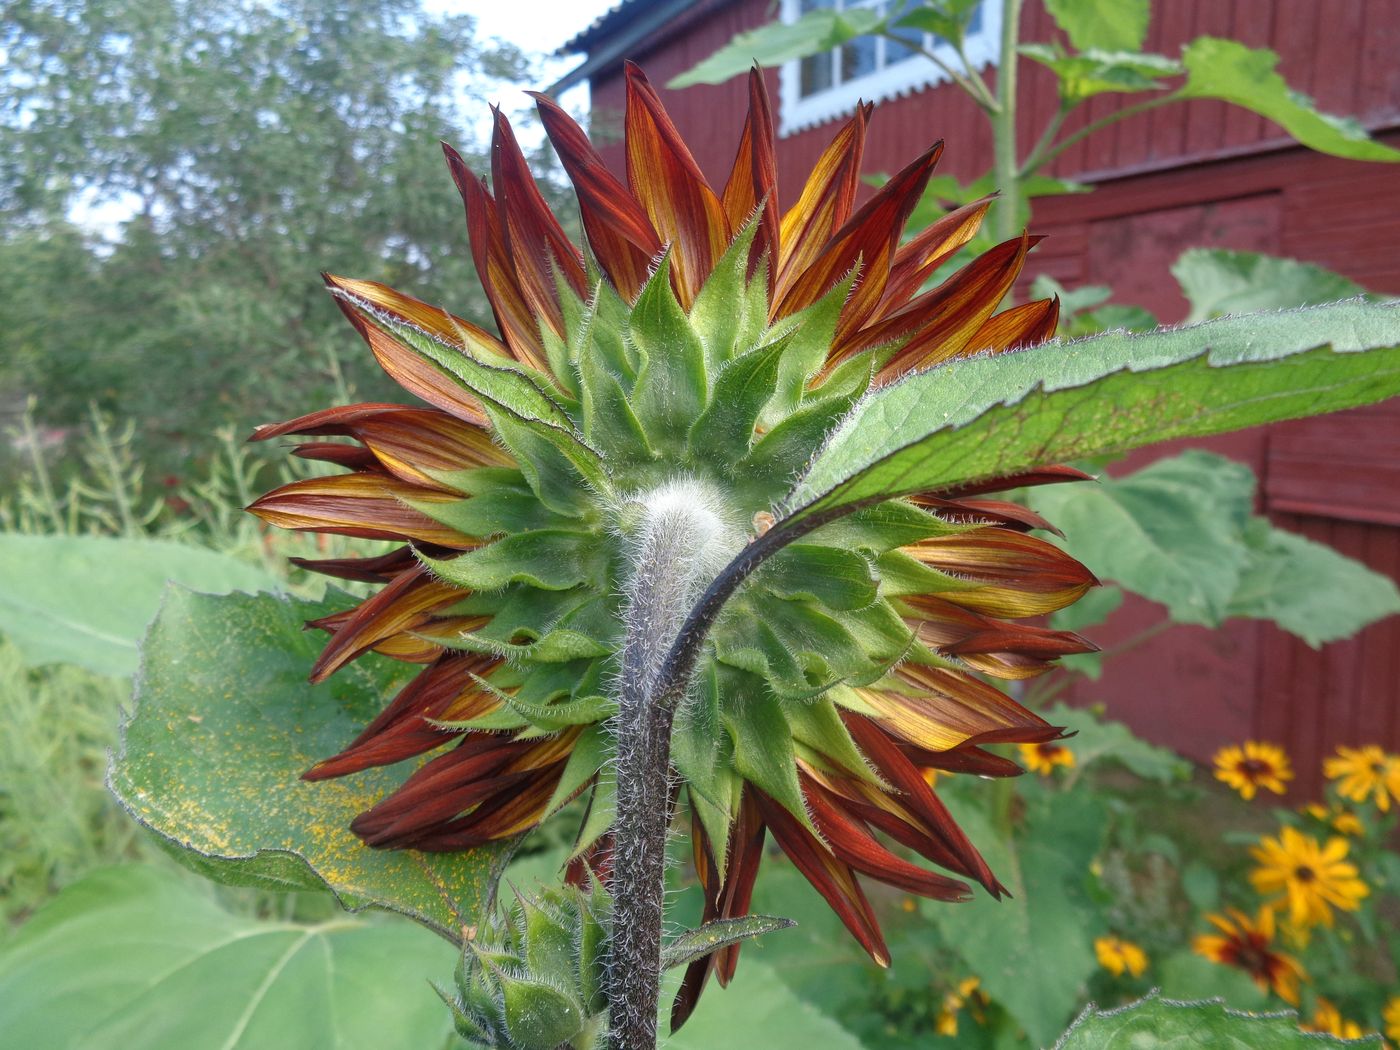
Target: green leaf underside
x,y
86,600
141,957
224,725
990,416
774,44
1217,281
1154,1023
711,937
1248,77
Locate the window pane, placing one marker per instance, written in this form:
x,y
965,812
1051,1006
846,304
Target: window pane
x,y
974,24
896,52
857,58
816,74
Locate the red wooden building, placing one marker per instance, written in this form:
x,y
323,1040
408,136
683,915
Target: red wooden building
x,y
1200,174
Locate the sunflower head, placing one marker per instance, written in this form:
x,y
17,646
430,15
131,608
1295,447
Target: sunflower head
x,y
692,355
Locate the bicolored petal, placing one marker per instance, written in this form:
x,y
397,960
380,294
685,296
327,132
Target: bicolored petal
x,y
1016,575
1029,324
825,203
447,691
618,230
374,506
924,253
1003,650
753,180
518,323
668,183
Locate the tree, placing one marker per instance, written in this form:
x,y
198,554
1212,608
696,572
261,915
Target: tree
x,y
253,145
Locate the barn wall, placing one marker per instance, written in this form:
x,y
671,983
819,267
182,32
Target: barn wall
x,y
1199,174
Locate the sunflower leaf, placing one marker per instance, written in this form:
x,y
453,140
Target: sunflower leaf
x,y
1248,77
776,43
139,956
986,417
712,936
1154,1023
224,725
1218,281
1113,25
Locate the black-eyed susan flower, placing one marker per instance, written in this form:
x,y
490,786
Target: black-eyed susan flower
x,y
1044,757
1365,773
1391,1016
1248,944
1118,956
968,995
1327,1018
694,352
1253,765
1312,878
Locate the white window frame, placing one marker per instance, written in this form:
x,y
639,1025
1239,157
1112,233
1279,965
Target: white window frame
x,y
795,113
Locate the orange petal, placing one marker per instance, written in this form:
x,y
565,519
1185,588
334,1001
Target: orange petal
x,y
825,203
368,505
1026,325
954,311
665,179
618,230
753,180
1022,575
940,709
868,239
916,261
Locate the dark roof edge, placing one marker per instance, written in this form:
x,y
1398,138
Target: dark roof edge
x,y
616,47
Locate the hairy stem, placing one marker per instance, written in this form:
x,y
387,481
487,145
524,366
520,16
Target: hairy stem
x,y
1006,164
674,559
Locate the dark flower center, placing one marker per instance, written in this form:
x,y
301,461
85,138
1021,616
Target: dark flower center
x,y
1303,873
1254,767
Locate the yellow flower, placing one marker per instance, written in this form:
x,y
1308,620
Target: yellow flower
x,y
1116,955
1043,758
1364,772
1251,766
1327,1018
968,992
1391,1016
1247,944
1313,879
1342,820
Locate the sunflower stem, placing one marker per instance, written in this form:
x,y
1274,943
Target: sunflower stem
x,y
1005,161
682,543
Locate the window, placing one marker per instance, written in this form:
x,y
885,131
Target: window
x,y
824,87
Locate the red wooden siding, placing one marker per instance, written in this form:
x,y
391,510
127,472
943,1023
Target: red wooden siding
x,y
1199,174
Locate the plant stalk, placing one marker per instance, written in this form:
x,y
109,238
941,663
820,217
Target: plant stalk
x,y
1006,167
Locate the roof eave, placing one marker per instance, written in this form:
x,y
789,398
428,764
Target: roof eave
x,y
614,50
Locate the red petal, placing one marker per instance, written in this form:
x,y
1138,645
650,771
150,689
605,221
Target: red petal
x,y
916,261
668,184
518,323
1029,324
378,569
369,505
753,180
618,229
1051,475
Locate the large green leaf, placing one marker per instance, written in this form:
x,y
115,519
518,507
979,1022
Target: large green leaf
x,y
139,957
778,42
1031,950
1218,281
224,725
1155,1023
1108,25
1248,77
1171,532
990,416
1097,739
86,600
1308,588
759,1010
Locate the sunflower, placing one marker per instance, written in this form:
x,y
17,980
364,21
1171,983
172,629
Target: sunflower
x,y
1253,765
692,354
1118,956
1247,944
1365,772
1043,757
1312,878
